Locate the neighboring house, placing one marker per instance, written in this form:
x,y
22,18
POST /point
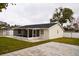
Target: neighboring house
x,y
39,31
6,32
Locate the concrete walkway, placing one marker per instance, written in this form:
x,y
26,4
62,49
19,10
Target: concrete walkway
x,y
48,49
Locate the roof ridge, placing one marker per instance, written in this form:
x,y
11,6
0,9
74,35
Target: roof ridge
x,y
46,25
38,24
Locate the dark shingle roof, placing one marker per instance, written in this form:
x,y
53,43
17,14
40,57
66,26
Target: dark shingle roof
x,y
38,25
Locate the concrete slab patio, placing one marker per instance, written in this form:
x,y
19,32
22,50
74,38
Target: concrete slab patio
x,y
48,49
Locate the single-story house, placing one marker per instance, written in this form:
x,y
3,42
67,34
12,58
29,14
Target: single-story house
x,y
39,31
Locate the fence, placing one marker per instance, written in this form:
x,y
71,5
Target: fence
x,y
71,34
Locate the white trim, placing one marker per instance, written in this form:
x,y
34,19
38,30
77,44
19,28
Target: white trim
x,y
27,33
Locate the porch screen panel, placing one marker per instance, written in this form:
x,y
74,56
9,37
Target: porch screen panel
x,y
25,33
37,33
19,32
30,33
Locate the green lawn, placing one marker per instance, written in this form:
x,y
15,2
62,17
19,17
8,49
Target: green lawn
x,y
73,41
10,44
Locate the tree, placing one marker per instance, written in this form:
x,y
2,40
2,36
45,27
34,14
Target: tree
x,y
3,6
4,25
62,15
75,27
67,13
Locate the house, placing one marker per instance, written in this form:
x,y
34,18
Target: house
x,y
7,31
39,31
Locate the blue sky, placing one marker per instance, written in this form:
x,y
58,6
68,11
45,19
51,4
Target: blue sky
x,y
33,13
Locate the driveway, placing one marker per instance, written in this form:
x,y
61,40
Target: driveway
x,y
47,49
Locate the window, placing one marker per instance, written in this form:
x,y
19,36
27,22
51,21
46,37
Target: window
x,y
36,33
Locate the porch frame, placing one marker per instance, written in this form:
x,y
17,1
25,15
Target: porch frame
x,y
34,34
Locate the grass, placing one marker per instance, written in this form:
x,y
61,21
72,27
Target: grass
x,y
10,44
73,41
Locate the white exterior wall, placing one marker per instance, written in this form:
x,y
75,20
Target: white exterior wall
x,y
7,32
46,34
10,32
55,32
1,32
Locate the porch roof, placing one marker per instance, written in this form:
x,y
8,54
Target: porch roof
x,y
47,25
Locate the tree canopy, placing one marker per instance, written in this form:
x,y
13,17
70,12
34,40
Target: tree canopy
x,y
67,13
62,15
3,6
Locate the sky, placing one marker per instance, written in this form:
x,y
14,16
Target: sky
x,y
34,13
